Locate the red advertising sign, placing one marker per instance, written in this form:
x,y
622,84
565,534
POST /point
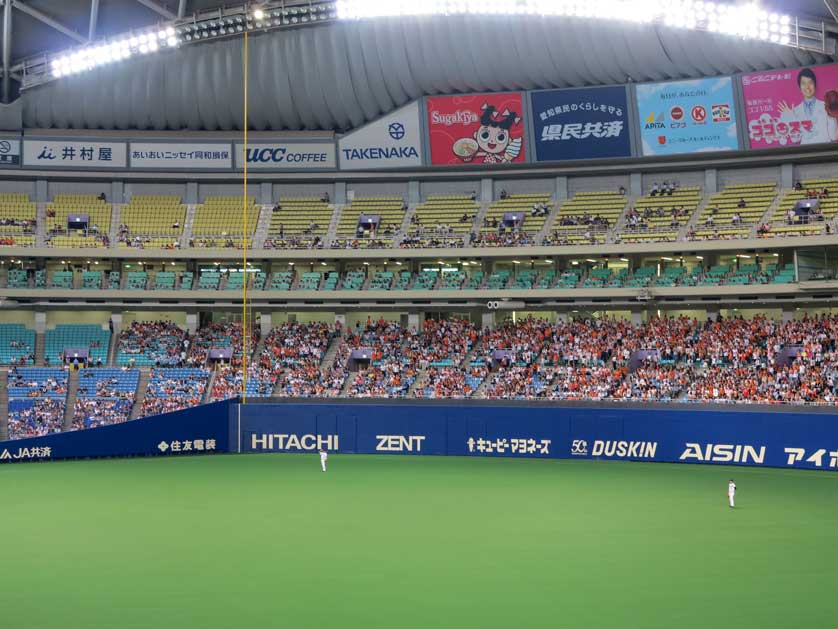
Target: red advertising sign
x,y
476,129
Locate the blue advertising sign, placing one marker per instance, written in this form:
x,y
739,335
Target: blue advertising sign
x,y
687,116
789,440
200,430
585,123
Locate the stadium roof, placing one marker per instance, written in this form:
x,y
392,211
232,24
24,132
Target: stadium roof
x,y
340,75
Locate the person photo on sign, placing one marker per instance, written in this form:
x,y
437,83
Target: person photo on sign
x,y
818,120
493,139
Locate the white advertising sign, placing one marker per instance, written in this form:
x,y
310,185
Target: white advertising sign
x,y
287,155
181,155
74,154
394,141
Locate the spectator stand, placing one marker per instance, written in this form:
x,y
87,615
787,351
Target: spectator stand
x,y
105,396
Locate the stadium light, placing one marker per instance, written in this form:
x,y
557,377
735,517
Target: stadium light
x,y
110,51
741,20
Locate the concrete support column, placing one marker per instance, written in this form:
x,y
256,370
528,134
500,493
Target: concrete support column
x,y
116,320
635,184
191,196
561,317
41,191
117,194
636,317
40,322
561,188
711,182
787,175
487,192
788,314
265,323
340,192
414,320
266,192
712,312
414,195
340,319
192,322
487,320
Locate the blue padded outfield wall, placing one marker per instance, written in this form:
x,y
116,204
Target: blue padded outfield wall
x,y
804,440
673,435
204,429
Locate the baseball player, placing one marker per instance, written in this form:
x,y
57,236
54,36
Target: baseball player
x,y
731,491
324,457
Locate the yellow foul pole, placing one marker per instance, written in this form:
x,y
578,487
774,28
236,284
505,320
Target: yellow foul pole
x,y
245,335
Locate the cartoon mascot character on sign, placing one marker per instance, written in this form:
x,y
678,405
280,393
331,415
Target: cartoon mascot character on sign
x,y
493,139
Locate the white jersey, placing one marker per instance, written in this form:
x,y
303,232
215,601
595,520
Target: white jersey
x,y
324,456
731,488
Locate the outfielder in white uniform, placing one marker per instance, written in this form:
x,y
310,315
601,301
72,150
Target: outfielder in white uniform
x,y
731,492
324,456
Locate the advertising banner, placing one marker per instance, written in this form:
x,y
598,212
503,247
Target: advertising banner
x,y
788,440
687,116
791,107
74,154
476,129
394,141
181,155
9,152
287,155
586,123
200,430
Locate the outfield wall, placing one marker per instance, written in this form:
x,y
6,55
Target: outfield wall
x,y
643,433
776,439
203,429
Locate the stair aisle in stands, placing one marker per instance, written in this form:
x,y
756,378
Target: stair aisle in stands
x,y
72,394
142,387
40,344
188,222
4,404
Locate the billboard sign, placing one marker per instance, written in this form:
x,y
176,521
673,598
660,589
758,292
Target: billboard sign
x,y
287,155
687,116
394,141
181,155
476,129
791,107
586,123
74,154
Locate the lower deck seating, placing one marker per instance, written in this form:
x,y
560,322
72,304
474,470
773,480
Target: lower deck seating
x,y
37,398
174,389
17,344
93,338
105,396
151,343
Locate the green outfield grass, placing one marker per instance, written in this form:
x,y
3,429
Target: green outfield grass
x,y
392,541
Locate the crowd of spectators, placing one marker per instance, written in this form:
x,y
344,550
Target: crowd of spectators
x,y
105,402
34,418
441,341
173,390
27,225
391,369
452,382
294,242
359,243
220,335
290,357
501,238
159,343
417,241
